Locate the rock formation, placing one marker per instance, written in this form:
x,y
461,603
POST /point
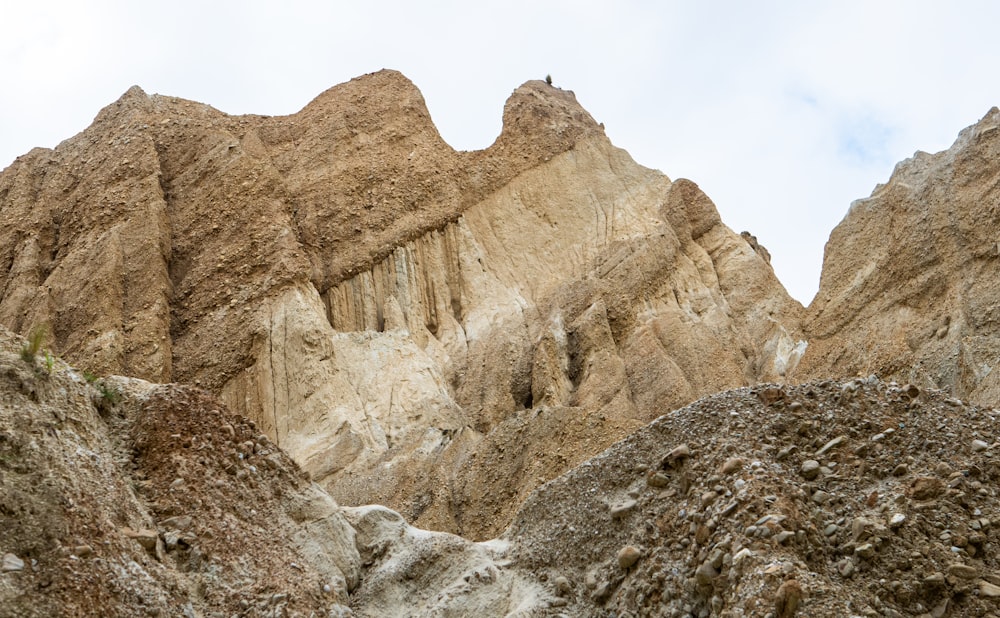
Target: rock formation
x,y
907,289
478,343
381,304
120,497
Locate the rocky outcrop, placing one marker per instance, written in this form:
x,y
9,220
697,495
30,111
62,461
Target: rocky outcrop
x,y
435,330
907,289
456,335
444,331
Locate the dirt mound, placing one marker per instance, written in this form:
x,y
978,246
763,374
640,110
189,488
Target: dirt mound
x,y
221,492
857,498
122,498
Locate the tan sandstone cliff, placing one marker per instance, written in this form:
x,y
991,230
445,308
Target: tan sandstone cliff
x,y
908,290
439,331
466,337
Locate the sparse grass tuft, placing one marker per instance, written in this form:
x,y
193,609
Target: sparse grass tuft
x,y
109,393
36,339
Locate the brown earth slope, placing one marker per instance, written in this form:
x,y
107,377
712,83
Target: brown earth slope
x,y
435,330
124,498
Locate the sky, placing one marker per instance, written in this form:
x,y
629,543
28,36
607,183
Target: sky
x,y
783,112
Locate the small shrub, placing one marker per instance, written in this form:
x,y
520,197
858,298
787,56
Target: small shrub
x,y
36,339
89,377
50,361
109,393
106,398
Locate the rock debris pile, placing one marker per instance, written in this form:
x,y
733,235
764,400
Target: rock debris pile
x,y
831,498
123,498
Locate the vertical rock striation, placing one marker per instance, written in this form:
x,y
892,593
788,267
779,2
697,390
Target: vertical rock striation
x,y
416,326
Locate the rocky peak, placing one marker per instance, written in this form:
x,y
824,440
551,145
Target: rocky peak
x,y
133,101
373,108
365,293
541,120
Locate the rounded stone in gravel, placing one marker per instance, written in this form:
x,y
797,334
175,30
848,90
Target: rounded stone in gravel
x,y
786,600
705,574
926,488
621,510
657,479
962,571
83,551
10,563
846,567
989,590
563,585
809,469
677,456
733,464
628,556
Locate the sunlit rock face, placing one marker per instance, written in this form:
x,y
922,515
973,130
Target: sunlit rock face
x,y
434,330
908,288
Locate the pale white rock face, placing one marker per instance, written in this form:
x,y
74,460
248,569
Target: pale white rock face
x,y
588,281
782,352
400,329
334,397
506,253
422,573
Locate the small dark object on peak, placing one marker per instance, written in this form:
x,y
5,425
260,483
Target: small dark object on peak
x,y
548,79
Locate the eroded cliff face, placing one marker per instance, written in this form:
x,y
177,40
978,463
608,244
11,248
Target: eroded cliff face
x,y
908,288
435,330
445,332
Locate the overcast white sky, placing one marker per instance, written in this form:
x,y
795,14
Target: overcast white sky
x,y
783,112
